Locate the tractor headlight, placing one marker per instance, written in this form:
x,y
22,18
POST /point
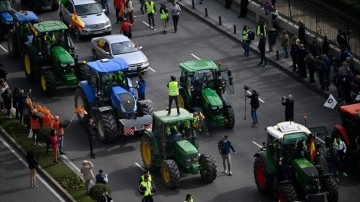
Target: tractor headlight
x,y
72,64
63,65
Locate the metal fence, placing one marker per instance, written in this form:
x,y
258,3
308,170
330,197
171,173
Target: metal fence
x,y
321,21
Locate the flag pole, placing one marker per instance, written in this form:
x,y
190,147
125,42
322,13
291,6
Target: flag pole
x,y
72,118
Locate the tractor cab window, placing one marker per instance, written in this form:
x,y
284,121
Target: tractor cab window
x,y
203,77
106,47
294,145
5,6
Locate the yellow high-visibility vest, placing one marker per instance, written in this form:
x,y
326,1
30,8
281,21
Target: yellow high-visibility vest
x,y
150,7
173,88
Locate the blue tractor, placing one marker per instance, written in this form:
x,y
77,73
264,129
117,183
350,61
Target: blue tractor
x,y
6,18
21,32
109,96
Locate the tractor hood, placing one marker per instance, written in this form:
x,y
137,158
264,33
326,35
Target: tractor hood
x,y
185,147
6,18
62,55
211,97
123,101
305,171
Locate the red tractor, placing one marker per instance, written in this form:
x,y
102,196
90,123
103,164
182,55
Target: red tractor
x,y
349,131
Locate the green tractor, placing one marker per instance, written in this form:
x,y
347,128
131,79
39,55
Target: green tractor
x,y
292,166
50,57
202,85
175,156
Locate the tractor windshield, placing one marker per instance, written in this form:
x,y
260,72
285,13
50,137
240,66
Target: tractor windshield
x,y
114,78
5,6
294,138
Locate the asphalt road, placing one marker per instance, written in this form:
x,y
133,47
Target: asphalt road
x,y
194,39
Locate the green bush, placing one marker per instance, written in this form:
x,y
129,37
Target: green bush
x,y
14,127
96,191
71,182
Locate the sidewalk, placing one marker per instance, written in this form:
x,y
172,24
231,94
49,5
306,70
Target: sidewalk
x,y
229,19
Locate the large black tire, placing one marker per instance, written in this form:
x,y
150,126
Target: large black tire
x,y
28,66
48,82
287,193
55,5
207,168
329,185
229,118
82,72
11,44
2,32
170,173
81,102
263,180
147,153
145,108
107,127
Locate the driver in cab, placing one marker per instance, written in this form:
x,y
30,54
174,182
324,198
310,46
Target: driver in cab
x,y
175,135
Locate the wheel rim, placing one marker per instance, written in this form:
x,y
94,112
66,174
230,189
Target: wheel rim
x,y
43,82
146,153
166,174
27,64
100,129
260,176
181,101
282,197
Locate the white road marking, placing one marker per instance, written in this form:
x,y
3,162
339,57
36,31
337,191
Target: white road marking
x,y
322,141
2,47
195,56
138,165
145,23
38,176
248,92
255,143
152,69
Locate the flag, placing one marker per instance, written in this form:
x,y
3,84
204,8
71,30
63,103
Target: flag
x,y
32,29
331,102
77,21
81,111
311,148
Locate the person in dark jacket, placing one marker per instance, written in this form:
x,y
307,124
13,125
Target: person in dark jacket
x,y
7,100
321,70
15,99
141,88
288,102
91,132
325,46
33,164
310,64
243,8
315,48
294,47
20,105
101,178
254,105
261,46
301,55
3,72
224,146
301,33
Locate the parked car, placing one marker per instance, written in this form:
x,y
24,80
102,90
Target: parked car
x,y
120,46
90,12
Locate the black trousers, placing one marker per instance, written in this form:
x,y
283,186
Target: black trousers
x,y
141,96
171,98
289,116
91,144
151,19
228,3
175,21
147,198
263,58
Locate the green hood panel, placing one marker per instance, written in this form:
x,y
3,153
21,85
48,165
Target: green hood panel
x,y
185,147
211,97
63,56
302,163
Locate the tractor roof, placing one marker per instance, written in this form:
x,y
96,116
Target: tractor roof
x,y
284,128
163,117
108,65
198,65
26,16
48,26
353,110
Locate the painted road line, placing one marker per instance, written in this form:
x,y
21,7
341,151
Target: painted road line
x,y
138,165
322,141
152,69
37,175
2,47
255,143
195,56
145,23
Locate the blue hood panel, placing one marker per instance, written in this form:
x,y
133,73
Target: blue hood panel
x,y
123,101
6,17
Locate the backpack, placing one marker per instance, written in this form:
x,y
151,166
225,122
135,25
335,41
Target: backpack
x,y
251,35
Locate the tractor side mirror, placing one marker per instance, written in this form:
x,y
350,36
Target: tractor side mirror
x,y
229,73
230,81
182,79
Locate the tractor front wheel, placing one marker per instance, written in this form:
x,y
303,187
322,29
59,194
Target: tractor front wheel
x,y
329,185
82,72
229,118
147,153
48,82
107,128
170,173
207,168
11,45
81,103
145,108
28,66
287,193
263,180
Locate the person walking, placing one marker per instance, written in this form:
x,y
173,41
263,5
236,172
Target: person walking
x,y
175,13
254,105
125,28
288,102
224,146
141,86
91,132
147,188
119,6
173,87
142,3
54,143
164,16
129,11
246,40
228,4
101,178
150,10
285,43
261,46
36,124
189,198
33,165
339,149
88,175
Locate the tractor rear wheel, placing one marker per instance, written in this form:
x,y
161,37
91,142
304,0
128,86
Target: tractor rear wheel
x,y
107,127
147,153
287,193
170,173
82,103
11,46
229,118
207,168
329,185
28,66
55,5
48,82
264,181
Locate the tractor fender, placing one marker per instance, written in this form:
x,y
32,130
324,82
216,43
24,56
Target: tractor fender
x,y
269,169
88,91
343,133
227,105
130,123
144,102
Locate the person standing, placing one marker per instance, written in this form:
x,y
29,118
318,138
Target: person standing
x,y
101,178
91,132
254,105
301,55
15,99
3,72
224,146
33,165
142,178
20,105
150,11
301,33
243,8
3,87
173,87
339,149
54,143
36,124
261,28
147,189
310,64
88,175
285,43
175,13
294,47
59,129
228,3
288,102
119,6
325,46
164,16
141,85
246,40
189,198
125,28
105,5
7,101
261,46
130,11
142,3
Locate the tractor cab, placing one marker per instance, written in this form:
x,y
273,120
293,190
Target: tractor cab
x,y
23,22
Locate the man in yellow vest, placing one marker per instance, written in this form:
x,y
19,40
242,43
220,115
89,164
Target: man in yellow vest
x,y
188,198
147,189
150,11
173,86
142,178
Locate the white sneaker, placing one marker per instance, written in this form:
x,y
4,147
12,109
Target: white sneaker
x,y
151,27
230,173
226,172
